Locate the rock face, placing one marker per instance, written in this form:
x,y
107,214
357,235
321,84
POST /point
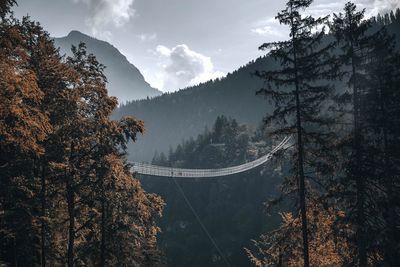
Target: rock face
x,y
124,80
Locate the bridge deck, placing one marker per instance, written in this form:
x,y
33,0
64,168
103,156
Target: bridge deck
x,y
154,170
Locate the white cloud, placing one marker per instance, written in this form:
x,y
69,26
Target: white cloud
x,y
164,51
383,6
105,13
266,30
270,28
144,37
184,67
372,7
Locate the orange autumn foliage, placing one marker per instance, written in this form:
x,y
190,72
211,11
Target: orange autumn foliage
x,y
283,247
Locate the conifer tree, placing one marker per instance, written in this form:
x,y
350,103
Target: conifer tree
x,y
65,185
5,7
382,133
53,77
350,31
300,98
104,177
24,127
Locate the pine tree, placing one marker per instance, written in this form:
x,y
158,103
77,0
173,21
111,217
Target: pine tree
x,y
5,7
382,132
53,77
350,31
24,127
300,98
66,189
106,182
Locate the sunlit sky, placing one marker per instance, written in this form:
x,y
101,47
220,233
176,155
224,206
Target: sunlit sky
x,y
176,43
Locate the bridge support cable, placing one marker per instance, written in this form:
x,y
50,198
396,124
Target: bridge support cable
x,y
203,227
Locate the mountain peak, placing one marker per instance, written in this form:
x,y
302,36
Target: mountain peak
x,y
124,80
75,33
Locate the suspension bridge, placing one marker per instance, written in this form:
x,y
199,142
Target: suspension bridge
x,y
154,170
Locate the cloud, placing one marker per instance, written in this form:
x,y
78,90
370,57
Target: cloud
x,y
270,27
372,7
184,67
383,6
267,30
105,13
147,37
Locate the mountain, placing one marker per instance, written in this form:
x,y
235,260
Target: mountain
x,y
125,80
170,118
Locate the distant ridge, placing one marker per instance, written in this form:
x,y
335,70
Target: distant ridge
x,y
172,117
125,80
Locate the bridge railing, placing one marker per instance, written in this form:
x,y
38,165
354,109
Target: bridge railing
x,y
154,170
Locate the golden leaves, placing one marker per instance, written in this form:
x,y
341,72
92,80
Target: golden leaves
x,y
327,247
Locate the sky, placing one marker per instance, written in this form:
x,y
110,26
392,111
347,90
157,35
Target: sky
x,y
179,43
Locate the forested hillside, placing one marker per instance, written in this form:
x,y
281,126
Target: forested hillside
x,y
172,117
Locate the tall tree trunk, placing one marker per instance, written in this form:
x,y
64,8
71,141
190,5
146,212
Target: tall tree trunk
x,y
103,235
43,212
15,252
360,183
71,226
302,189
391,258
70,187
300,150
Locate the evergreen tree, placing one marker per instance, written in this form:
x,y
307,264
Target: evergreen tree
x,y
53,78
382,133
300,98
24,127
66,190
5,6
350,31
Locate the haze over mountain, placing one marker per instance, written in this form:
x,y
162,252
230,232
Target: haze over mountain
x,y
124,80
170,118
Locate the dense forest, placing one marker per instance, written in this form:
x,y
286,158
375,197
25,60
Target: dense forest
x,y
229,207
66,193
330,198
